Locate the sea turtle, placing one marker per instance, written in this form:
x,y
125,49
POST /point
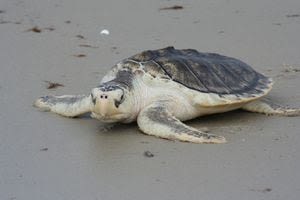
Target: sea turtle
x,y
161,88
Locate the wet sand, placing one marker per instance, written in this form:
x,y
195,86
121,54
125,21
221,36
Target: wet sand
x,y
45,156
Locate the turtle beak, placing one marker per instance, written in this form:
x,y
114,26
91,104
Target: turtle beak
x,y
103,107
101,102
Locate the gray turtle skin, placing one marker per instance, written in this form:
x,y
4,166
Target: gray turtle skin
x,y
161,88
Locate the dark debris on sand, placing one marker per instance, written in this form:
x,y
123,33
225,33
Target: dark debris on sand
x,y
88,46
265,190
53,85
148,154
80,37
44,149
36,29
175,7
79,55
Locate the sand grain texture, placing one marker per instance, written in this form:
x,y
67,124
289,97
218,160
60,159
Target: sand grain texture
x,y
260,161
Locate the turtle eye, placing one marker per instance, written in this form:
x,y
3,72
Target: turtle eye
x,y
118,102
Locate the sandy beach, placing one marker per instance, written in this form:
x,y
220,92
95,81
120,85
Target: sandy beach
x,y
45,156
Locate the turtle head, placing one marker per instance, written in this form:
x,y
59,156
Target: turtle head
x,y
108,103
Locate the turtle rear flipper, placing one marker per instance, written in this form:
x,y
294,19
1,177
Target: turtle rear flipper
x,y
156,120
66,105
267,107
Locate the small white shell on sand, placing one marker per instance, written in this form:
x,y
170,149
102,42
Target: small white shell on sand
x,y
104,32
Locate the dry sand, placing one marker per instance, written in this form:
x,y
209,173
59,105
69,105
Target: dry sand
x,y
44,156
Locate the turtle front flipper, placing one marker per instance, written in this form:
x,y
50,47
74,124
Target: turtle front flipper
x,y
66,105
267,107
157,120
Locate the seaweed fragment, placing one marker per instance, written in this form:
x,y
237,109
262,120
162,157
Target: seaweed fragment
x,y
175,7
53,85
